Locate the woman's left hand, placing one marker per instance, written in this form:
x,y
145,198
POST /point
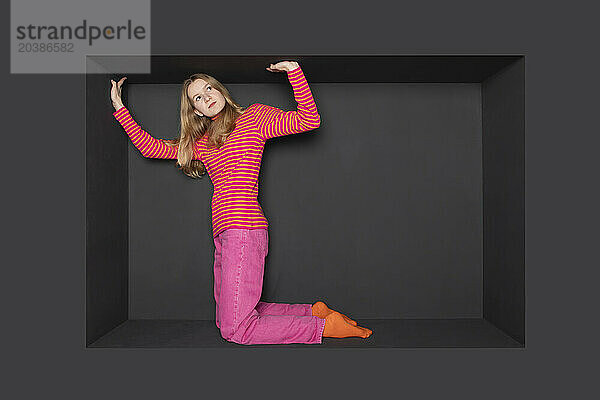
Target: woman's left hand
x,y
283,66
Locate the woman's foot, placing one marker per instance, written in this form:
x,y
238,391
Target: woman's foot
x,y
320,309
337,327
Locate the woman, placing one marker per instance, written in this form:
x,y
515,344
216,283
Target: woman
x,y
227,141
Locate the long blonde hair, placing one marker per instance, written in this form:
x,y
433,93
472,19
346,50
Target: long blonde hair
x,y
193,127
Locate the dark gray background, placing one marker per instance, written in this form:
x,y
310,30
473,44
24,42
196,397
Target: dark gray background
x,y
378,211
43,285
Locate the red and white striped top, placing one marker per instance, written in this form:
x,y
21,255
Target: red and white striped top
x,y
234,167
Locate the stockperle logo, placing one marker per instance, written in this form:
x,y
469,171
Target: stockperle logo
x,y
62,36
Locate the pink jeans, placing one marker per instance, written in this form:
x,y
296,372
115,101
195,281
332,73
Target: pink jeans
x,y
240,315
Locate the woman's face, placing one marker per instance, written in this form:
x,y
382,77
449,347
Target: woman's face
x,y
206,100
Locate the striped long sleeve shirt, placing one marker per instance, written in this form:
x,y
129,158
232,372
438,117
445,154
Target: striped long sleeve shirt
x,y
234,167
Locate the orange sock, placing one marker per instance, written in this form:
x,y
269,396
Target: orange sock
x,y
337,324
320,309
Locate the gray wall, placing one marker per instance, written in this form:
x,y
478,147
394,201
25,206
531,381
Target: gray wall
x,y
504,199
378,212
106,219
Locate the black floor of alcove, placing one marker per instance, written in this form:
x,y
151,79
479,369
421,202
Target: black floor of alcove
x,y
403,333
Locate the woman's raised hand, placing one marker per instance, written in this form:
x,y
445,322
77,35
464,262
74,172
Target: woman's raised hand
x,y
115,93
283,66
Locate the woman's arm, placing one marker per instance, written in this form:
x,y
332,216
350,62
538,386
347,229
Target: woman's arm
x,y
273,122
149,146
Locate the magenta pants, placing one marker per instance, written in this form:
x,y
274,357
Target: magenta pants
x,y
240,315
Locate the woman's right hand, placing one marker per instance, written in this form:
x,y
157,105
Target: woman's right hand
x,y
115,93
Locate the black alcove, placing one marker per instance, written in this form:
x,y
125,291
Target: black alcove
x,y
405,209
